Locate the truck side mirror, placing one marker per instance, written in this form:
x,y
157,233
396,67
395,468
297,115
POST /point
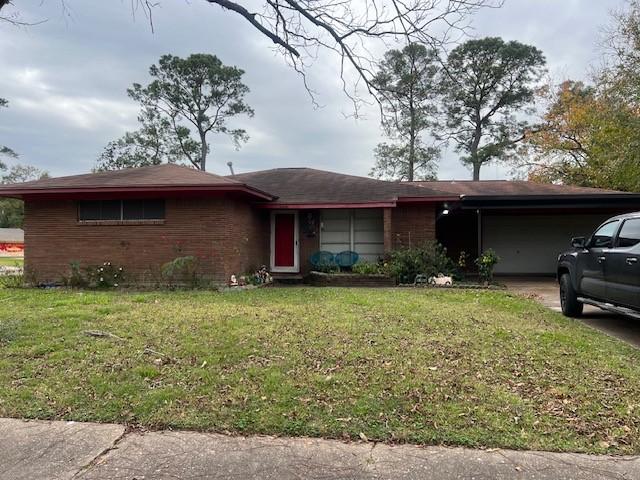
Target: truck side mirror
x,y
578,242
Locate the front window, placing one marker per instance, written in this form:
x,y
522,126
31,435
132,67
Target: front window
x,y
106,210
603,236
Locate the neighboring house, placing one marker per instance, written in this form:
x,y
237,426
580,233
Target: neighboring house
x,y
11,242
142,218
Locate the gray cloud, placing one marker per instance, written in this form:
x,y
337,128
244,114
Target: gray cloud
x,y
66,81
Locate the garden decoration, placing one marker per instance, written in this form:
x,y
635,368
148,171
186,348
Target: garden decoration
x,y
233,282
346,259
441,280
263,275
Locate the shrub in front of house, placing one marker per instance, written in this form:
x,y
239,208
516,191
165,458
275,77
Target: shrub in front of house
x,y
327,267
370,268
181,270
429,259
107,275
486,263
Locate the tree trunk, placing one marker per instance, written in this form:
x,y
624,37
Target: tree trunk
x,y
412,137
412,153
477,135
476,170
203,150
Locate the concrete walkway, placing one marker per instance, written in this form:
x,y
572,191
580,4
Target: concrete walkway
x,y
68,450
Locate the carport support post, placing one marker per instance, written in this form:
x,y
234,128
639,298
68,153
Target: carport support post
x,y
479,215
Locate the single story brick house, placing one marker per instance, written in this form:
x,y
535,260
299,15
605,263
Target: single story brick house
x,y
141,218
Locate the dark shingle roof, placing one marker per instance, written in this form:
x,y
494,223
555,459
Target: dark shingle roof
x,y
156,176
293,186
166,174
309,186
509,188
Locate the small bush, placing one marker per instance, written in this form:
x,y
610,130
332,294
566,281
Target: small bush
x,y
327,268
486,263
77,278
181,270
430,259
106,275
370,268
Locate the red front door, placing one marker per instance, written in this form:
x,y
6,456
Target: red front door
x,y
284,240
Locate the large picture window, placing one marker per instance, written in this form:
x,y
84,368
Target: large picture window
x,y
98,210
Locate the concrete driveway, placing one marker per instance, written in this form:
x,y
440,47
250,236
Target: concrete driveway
x,y
545,290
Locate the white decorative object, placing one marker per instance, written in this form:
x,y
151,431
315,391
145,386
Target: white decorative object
x,y
233,282
441,280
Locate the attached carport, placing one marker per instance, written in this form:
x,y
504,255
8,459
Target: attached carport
x,y
526,231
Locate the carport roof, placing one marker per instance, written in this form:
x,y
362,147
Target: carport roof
x,y
513,194
483,188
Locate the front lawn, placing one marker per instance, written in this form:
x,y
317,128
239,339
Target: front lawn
x,y
472,368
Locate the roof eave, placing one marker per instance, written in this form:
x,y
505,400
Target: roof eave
x,y
22,192
324,205
429,199
550,201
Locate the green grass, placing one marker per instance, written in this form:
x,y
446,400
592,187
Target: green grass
x,y
471,368
11,261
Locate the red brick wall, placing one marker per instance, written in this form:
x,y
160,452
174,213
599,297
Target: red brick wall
x,y
228,236
411,225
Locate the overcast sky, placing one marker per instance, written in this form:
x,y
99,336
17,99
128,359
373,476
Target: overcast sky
x,y
66,81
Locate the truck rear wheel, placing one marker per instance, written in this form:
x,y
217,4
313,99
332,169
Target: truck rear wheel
x,y
571,307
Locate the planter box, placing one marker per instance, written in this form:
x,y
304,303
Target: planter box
x,y
320,279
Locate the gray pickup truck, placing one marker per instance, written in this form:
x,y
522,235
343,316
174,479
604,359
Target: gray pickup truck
x,y
604,269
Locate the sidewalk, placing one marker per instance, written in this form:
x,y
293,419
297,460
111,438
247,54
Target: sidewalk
x,y
68,450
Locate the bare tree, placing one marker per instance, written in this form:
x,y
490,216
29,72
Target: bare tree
x,y
352,30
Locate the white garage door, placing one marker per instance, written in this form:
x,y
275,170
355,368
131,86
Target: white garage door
x,y
359,230
531,243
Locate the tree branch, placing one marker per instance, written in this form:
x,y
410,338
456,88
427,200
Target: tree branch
x,y
251,18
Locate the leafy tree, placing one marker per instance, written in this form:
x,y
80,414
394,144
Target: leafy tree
x,y
406,82
12,210
589,135
305,30
197,92
621,74
485,85
154,143
586,138
4,150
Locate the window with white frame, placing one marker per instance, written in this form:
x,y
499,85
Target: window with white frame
x,y
358,230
